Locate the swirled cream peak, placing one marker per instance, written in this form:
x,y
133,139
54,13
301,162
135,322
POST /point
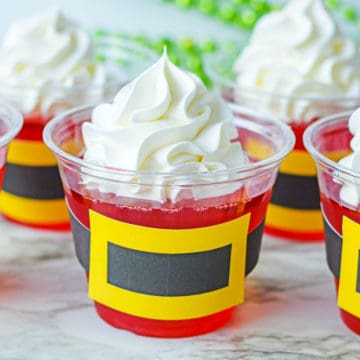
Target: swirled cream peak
x,y
350,192
43,56
163,121
299,52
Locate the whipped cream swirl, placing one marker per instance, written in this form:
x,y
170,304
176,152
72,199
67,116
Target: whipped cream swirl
x,y
301,54
163,121
43,59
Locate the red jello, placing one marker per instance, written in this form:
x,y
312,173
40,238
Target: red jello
x,y
187,214
32,131
334,213
299,233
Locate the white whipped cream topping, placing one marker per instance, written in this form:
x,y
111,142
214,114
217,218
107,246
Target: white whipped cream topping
x,y
350,191
298,52
163,121
42,59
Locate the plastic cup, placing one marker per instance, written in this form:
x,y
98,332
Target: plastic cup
x,y
11,122
32,192
294,210
328,140
187,257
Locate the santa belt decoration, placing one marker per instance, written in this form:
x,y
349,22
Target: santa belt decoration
x,y
295,203
32,190
343,255
166,274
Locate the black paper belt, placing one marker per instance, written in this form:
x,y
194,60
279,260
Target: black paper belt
x,y
333,241
296,191
33,182
212,261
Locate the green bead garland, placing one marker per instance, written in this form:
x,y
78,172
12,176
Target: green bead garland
x,y
240,13
245,13
184,52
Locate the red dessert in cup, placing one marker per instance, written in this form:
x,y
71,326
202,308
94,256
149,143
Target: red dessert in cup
x,y
48,65
251,198
296,76
167,187
328,141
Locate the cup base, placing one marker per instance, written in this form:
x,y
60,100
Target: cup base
x,y
63,227
162,328
294,235
351,321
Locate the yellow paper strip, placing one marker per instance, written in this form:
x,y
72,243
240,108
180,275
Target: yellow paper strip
x,y
32,210
104,230
294,219
348,297
30,153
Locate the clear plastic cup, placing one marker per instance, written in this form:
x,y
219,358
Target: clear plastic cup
x,y
11,122
32,192
328,140
183,281
294,210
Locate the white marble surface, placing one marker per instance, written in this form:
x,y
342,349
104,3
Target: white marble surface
x,y
290,310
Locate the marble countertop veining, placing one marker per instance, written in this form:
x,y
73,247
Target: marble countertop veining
x,y
290,310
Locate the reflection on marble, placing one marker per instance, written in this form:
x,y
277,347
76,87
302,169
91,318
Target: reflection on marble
x,y
290,310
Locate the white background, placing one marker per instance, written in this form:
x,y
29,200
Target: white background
x,y
149,17
133,16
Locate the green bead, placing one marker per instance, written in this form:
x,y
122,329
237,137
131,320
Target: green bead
x,y
332,4
158,46
248,18
238,21
166,42
260,6
187,44
240,2
185,4
208,46
193,63
207,6
348,13
174,59
227,13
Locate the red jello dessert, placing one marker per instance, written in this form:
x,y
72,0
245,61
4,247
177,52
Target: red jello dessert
x,y
32,190
294,214
329,141
283,71
252,198
167,189
190,214
334,213
40,84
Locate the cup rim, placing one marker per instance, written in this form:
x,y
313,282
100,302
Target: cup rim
x,y
16,121
212,60
242,172
317,155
